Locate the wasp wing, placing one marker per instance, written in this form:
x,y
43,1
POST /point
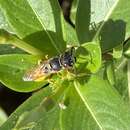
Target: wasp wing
x,y
37,73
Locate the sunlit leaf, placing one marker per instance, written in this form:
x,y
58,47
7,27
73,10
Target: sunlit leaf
x,y
29,23
104,104
40,111
12,70
75,116
3,116
83,20
88,58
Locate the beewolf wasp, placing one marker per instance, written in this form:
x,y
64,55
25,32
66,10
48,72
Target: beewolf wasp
x,y
51,66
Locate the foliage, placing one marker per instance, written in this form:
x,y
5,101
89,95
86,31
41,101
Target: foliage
x,y
3,116
96,96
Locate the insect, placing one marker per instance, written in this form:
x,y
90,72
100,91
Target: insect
x,y
51,66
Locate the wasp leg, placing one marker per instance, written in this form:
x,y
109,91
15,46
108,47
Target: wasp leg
x,y
53,84
49,79
40,62
67,75
60,75
82,75
46,57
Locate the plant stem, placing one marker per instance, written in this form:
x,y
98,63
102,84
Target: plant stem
x,y
128,76
122,64
26,47
20,44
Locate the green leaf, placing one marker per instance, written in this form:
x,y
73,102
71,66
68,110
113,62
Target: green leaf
x,y
73,10
121,13
12,70
4,24
109,21
83,21
115,26
88,58
32,103
104,103
29,23
126,48
23,21
75,116
49,15
128,77
9,49
69,34
99,13
40,111
3,116
121,77
110,72
117,51
7,38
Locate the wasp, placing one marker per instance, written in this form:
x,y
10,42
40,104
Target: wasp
x,y
52,66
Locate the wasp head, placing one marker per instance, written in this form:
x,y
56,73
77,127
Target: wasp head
x,y
68,58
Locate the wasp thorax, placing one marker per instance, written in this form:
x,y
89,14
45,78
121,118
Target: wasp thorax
x,y
55,64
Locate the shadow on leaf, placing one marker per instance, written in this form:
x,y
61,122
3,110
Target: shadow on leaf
x,y
112,34
41,41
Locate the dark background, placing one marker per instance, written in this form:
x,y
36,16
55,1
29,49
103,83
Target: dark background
x,y
9,99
